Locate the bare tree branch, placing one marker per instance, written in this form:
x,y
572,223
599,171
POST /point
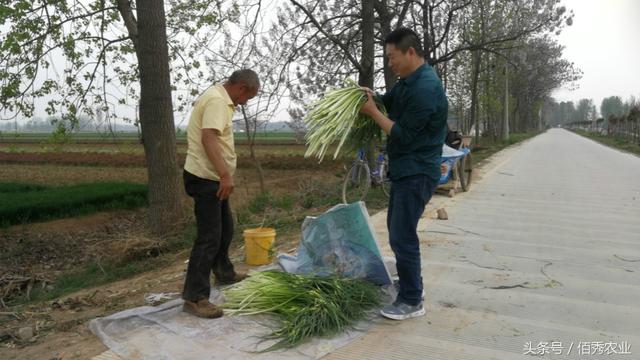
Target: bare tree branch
x,y
333,39
95,69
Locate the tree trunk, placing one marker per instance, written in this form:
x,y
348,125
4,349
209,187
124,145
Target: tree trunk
x,y
513,122
368,45
445,71
474,93
384,19
426,38
365,77
505,120
156,118
540,122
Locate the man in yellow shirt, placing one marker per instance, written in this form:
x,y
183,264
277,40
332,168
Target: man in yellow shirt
x,y
208,179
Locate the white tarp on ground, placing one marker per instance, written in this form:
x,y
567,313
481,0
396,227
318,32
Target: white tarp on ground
x,y
165,332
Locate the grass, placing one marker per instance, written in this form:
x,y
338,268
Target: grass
x,y
486,147
11,187
24,203
98,273
286,210
264,200
613,142
282,211
94,274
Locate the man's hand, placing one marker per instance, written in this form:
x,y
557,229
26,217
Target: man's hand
x,y
367,90
369,108
226,187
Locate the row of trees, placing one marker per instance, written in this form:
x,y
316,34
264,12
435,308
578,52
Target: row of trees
x,y
566,113
38,124
626,127
49,124
498,59
619,119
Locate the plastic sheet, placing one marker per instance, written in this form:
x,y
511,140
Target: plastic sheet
x,y
166,332
340,241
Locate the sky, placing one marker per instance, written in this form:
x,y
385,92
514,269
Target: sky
x,y
604,42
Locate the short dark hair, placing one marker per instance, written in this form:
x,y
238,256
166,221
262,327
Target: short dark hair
x,y
247,76
404,38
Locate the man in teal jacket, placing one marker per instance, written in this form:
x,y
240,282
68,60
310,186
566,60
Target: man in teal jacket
x,y
416,129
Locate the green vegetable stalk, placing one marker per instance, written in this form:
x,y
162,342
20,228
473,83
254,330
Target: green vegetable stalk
x,y
305,306
336,118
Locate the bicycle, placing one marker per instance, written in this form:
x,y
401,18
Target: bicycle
x,y
360,177
456,165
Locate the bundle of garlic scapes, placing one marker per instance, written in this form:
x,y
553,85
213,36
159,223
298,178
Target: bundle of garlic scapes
x,y
336,117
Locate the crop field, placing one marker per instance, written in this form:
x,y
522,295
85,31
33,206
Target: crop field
x,y
131,137
24,203
64,205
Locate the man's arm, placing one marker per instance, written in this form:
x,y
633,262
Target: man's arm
x,y
212,148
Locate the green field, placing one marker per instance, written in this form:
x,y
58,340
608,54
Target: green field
x,y
611,141
24,203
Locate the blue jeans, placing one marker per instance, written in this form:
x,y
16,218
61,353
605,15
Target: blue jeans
x,y
407,201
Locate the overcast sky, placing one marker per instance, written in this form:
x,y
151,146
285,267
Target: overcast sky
x,y
604,42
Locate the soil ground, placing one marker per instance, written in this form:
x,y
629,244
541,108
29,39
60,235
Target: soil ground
x,y
43,251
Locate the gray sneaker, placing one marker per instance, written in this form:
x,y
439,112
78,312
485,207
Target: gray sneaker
x,y
396,285
401,311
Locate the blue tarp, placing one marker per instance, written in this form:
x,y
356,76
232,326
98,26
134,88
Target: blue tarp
x,y
340,241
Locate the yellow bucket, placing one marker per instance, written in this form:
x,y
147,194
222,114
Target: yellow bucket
x,y
258,245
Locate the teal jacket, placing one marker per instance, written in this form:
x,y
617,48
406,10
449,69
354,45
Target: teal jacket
x,y
419,108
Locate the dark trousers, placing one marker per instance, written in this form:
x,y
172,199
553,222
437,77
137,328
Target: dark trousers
x,y
210,252
407,201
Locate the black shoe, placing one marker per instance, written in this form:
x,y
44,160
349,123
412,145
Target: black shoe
x,y
237,277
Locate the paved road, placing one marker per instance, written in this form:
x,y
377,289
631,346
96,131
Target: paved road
x,y
541,257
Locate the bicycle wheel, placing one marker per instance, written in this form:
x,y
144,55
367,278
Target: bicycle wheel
x,y
385,182
356,183
464,172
